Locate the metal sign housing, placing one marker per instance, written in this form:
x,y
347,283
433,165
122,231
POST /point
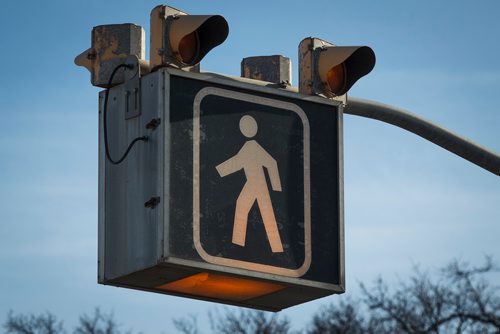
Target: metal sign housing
x,y
237,197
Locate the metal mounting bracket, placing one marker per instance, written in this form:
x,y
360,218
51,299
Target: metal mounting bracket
x,y
132,88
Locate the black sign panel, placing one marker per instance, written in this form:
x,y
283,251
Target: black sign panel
x,y
262,171
251,182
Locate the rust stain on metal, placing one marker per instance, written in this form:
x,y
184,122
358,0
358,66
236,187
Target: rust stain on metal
x,y
111,45
275,69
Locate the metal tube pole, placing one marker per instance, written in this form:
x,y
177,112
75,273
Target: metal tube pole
x,y
448,140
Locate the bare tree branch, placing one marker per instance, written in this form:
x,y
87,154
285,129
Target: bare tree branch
x,y
460,299
33,324
98,323
248,322
187,325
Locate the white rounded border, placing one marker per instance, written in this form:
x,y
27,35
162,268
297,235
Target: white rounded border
x,y
196,183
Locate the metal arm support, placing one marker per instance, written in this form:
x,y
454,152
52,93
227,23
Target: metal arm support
x,y
425,129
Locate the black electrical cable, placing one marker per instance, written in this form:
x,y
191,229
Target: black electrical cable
x,y
105,118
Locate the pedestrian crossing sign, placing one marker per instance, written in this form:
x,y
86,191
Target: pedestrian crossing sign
x,y
251,182
237,197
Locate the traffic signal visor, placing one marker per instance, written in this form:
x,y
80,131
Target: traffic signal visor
x,y
191,37
339,67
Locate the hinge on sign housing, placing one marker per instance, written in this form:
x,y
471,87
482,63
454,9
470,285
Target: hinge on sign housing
x,y
153,124
152,202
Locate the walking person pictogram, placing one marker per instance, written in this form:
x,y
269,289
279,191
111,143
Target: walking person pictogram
x,y
252,158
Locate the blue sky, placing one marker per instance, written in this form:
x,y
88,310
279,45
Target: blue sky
x,y
407,201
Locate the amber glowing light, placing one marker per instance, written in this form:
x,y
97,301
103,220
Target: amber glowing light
x,y
336,78
221,287
188,47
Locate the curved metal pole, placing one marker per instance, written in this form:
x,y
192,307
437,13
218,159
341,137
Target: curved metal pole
x,y
440,136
